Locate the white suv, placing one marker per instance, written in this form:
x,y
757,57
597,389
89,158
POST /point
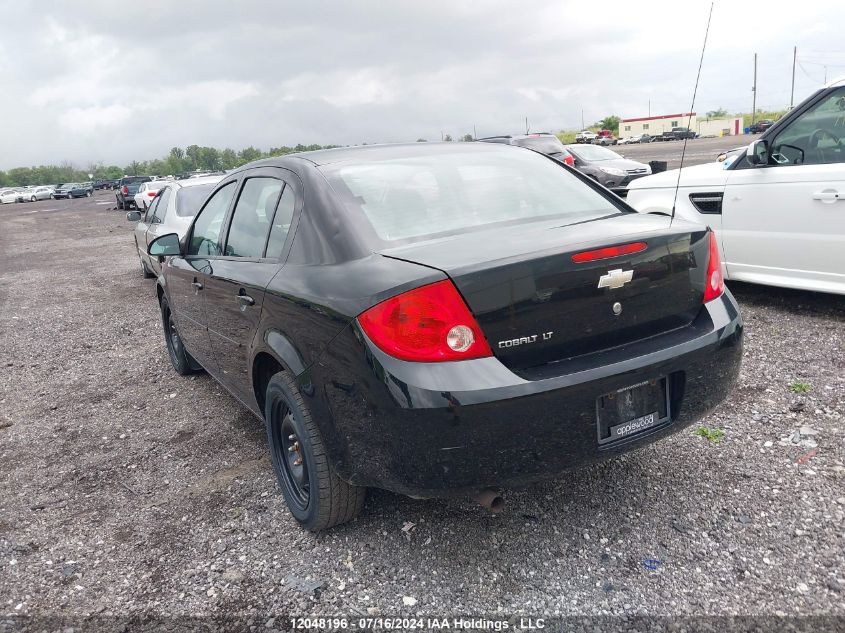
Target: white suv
x,y
585,136
778,209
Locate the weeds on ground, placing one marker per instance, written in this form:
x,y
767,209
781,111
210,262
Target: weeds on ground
x,y
711,435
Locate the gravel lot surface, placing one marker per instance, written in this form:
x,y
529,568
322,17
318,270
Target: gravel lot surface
x,y
125,489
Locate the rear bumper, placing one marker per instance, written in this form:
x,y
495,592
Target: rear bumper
x,y
452,428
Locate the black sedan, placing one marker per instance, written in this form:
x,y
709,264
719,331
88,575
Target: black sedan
x,y
442,319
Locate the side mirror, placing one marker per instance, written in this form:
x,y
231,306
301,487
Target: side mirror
x,y
165,246
758,152
133,216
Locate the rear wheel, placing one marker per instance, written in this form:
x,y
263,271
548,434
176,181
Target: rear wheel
x,y
182,362
32,199
316,497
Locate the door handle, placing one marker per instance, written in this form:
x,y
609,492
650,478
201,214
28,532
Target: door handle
x,y
197,285
246,300
828,195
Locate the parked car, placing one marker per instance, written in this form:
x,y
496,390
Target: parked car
x,y
104,183
760,126
146,193
39,193
778,208
640,138
11,195
680,133
72,190
171,211
441,318
606,166
126,189
542,142
604,137
585,136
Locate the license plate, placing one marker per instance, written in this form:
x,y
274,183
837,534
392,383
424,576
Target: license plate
x,y
632,410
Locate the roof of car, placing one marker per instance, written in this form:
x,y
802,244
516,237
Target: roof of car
x,y
381,152
201,180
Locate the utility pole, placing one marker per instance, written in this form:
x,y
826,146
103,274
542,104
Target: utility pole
x,y
649,107
825,75
794,58
474,133
526,125
441,135
754,92
582,118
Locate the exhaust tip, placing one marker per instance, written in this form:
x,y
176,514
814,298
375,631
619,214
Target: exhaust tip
x,y
491,500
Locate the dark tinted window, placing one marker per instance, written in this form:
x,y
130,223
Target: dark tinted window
x,y
281,224
190,199
205,236
253,214
134,179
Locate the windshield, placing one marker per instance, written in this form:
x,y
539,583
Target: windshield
x,y
593,153
190,199
134,179
544,144
426,195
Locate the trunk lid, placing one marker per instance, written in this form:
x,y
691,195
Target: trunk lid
x,y
535,305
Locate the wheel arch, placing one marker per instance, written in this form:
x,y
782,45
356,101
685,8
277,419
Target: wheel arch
x,y
277,353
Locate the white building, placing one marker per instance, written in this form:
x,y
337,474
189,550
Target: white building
x,y
656,125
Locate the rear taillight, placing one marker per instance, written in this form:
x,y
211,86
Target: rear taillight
x,y
151,194
428,324
715,284
608,252
125,190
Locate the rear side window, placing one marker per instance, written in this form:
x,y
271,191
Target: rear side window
x,y
190,199
253,215
420,196
205,236
281,224
543,144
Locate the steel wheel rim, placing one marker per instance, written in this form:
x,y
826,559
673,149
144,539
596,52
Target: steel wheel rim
x,y
290,456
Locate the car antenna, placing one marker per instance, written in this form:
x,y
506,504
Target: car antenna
x,y
692,106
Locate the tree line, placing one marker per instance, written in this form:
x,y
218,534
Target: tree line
x,y
177,161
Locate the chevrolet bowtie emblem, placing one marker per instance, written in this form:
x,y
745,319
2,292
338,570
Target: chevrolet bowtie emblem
x,y
615,278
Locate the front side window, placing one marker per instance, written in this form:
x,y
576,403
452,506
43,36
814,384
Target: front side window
x,y
253,215
150,217
205,236
161,208
814,137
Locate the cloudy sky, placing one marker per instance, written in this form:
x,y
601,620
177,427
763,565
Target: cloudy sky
x,y
105,81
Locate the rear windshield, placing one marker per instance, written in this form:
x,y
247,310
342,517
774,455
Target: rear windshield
x,y
190,199
593,152
133,179
544,144
416,197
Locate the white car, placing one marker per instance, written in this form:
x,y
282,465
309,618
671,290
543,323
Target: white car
x,y
778,209
585,136
147,191
31,194
10,195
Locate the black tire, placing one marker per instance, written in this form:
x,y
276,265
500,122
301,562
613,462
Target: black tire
x,y
148,274
33,199
181,360
316,497
87,194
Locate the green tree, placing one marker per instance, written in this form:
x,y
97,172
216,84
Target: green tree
x,y
228,158
249,154
609,123
421,140
717,113
467,138
448,137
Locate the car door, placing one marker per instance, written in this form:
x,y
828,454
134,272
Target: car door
x,y
235,288
783,223
188,275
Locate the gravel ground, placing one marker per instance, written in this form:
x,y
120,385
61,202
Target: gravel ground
x,y
125,489
699,150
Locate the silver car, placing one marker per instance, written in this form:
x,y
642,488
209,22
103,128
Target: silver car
x,y
32,194
171,211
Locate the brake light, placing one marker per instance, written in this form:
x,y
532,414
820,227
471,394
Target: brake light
x,y
151,193
428,324
608,252
715,284
125,190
